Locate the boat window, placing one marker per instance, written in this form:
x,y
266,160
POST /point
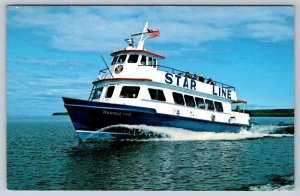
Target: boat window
x,y
121,59
97,93
114,60
178,98
133,58
154,62
189,100
200,103
143,60
219,106
150,61
157,94
130,92
210,104
109,92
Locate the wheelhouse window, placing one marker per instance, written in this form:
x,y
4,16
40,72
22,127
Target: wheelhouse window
x,y
97,93
133,58
114,60
130,92
157,94
109,92
219,106
189,100
178,98
154,62
200,103
122,59
150,61
210,105
143,60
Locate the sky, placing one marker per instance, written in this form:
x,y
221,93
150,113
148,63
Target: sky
x,y
55,51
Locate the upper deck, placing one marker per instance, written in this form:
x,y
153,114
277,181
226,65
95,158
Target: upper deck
x,y
137,63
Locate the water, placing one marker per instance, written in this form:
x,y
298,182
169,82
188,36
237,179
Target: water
x,y
43,153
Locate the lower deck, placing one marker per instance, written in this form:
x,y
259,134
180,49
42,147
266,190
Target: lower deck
x,y
167,100
104,120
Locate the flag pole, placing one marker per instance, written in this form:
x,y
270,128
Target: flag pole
x,y
141,42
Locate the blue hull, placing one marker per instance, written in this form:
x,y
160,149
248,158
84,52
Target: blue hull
x,y
88,117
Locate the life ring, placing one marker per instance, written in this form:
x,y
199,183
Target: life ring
x,y
119,69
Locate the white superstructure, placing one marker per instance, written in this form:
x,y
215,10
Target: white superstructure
x,y
136,77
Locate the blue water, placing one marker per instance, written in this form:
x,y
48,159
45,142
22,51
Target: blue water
x,y
43,153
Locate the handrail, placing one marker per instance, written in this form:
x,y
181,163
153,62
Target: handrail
x,y
102,71
207,80
180,72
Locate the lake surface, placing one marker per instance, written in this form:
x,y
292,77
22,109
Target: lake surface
x,y
43,153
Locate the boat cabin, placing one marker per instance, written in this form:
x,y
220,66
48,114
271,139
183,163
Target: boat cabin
x,y
136,78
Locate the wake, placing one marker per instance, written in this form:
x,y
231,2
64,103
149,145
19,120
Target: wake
x,y
155,133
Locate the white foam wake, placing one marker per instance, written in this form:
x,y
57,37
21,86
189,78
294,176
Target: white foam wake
x,y
178,134
270,187
284,184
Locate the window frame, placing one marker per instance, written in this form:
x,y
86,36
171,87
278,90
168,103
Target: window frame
x,y
137,58
120,58
154,61
186,102
127,95
181,95
150,61
208,105
143,62
114,60
217,107
203,102
96,92
162,95
111,92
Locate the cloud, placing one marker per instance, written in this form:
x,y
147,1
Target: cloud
x,y
43,78
103,28
270,31
47,63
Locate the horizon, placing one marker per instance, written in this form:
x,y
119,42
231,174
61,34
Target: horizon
x,y
54,51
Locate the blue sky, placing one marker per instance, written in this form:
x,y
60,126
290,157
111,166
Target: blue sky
x,y
54,51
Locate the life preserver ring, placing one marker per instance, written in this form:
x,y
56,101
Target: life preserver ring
x,y
119,69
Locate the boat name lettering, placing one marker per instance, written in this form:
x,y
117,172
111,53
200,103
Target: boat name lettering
x,y
112,113
169,79
222,92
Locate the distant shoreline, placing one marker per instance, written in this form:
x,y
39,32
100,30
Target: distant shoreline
x,y
59,113
252,113
271,113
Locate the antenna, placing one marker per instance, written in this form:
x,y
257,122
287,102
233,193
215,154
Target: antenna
x,y
107,66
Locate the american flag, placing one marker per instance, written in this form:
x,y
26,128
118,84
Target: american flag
x,y
153,33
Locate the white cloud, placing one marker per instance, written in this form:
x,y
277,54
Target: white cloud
x,y
270,31
103,28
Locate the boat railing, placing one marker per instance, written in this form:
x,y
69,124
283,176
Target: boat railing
x,y
104,73
188,75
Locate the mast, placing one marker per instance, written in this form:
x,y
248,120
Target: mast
x,y
142,39
146,33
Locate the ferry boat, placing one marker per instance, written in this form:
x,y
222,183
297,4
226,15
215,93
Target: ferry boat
x,y
135,89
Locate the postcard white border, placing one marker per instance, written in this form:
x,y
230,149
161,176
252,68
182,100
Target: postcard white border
x,y
4,3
